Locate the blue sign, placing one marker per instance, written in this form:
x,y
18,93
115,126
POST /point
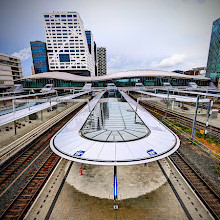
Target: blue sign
x,y
79,153
151,152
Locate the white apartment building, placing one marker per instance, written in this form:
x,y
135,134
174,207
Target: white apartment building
x,y
102,64
67,44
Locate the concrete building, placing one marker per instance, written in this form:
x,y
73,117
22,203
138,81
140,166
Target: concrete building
x,y
67,44
10,70
213,65
39,56
102,66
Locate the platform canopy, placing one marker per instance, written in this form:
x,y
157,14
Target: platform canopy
x,y
113,133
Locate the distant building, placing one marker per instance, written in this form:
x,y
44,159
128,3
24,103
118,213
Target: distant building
x,y
193,71
178,71
69,47
213,64
10,70
39,56
96,59
102,66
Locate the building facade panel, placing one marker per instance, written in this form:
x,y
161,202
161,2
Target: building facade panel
x,y
213,65
10,70
6,78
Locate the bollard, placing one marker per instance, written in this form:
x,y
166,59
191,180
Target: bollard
x,y
81,173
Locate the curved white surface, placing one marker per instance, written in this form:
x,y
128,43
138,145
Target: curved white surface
x,y
177,98
13,116
118,75
160,143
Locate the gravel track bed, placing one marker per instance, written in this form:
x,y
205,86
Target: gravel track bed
x,y
202,162
21,168
22,180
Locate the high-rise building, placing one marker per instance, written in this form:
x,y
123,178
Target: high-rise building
x,y
10,70
102,66
213,65
39,56
68,47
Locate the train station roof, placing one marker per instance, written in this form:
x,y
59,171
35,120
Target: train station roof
x,y
118,75
113,133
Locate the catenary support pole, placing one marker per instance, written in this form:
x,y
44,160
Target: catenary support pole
x,y
194,121
168,93
209,112
15,127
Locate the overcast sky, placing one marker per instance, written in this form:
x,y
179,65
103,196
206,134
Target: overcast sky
x,y
138,34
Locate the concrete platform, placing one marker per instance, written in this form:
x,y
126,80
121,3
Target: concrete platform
x,y
162,203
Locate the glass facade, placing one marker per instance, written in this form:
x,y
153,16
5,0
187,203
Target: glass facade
x,y
64,57
113,120
39,55
88,37
213,65
146,81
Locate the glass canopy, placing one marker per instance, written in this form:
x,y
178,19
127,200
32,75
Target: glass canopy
x,y
113,120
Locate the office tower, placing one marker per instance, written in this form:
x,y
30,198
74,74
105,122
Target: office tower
x,y
213,65
69,47
10,70
101,54
39,56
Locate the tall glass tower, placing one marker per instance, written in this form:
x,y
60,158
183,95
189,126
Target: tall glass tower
x,y
39,55
213,65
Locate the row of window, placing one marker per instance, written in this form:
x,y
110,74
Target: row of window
x,y
50,51
62,16
58,23
67,67
54,30
59,28
50,24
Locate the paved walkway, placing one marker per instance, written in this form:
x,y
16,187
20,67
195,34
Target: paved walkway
x,y
161,203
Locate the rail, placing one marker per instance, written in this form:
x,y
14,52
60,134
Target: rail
x,y
204,191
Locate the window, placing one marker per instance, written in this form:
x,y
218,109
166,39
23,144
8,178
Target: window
x,y
69,16
57,16
46,16
63,16
64,57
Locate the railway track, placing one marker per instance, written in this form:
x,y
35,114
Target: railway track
x,y
24,199
204,191
207,195
179,117
22,178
